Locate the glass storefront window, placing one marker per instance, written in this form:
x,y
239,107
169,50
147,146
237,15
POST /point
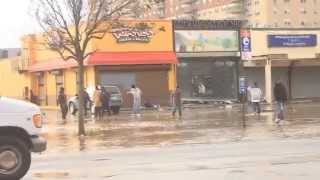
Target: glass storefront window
x,y
208,78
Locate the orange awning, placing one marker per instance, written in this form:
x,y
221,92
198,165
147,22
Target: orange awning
x,y
52,65
132,58
109,58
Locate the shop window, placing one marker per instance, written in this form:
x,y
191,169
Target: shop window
x,y
208,78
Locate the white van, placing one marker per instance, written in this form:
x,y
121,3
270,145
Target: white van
x,y
20,128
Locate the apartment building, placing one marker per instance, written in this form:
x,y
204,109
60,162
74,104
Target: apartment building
x,y
203,9
195,9
282,13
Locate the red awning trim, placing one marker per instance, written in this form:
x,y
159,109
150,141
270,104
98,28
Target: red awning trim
x,y
132,58
52,65
109,58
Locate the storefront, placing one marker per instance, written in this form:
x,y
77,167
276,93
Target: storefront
x,y
208,53
134,53
289,56
149,71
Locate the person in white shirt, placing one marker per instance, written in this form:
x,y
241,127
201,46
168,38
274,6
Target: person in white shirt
x,y
255,97
136,94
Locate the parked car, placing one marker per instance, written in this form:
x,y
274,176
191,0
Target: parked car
x,y
73,103
115,98
20,129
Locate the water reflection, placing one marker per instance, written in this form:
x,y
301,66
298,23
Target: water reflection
x,y
196,126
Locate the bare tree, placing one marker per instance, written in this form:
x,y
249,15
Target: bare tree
x,y
69,26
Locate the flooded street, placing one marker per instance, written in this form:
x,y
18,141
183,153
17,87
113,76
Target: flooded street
x,y
205,143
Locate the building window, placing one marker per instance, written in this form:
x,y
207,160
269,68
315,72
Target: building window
x,y
287,23
303,11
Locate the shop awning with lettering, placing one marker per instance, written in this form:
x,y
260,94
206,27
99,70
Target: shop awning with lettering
x,y
132,58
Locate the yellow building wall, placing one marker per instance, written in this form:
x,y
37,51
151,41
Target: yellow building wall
x,y
172,78
70,82
260,44
34,50
90,77
162,40
12,83
51,88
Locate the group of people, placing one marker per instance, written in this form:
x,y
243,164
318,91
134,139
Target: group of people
x,y
101,99
254,95
101,102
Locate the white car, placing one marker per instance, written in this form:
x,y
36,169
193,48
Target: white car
x,y
115,100
20,129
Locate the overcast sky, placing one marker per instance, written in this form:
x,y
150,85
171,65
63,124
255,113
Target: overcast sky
x,y
15,20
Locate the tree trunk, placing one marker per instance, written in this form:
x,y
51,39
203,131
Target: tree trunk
x,y
81,98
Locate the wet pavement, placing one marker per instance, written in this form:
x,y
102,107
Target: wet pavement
x,y
203,144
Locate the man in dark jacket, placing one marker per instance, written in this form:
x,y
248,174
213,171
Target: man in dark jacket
x,y
87,102
62,102
280,95
176,101
105,99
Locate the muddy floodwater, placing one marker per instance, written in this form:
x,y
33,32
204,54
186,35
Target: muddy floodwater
x,y
199,127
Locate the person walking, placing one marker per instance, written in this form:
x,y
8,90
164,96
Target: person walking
x,y
62,102
87,102
97,103
280,95
136,95
105,98
176,102
255,98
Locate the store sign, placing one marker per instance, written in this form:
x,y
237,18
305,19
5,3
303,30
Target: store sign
x,y
243,85
246,53
132,34
295,40
192,41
